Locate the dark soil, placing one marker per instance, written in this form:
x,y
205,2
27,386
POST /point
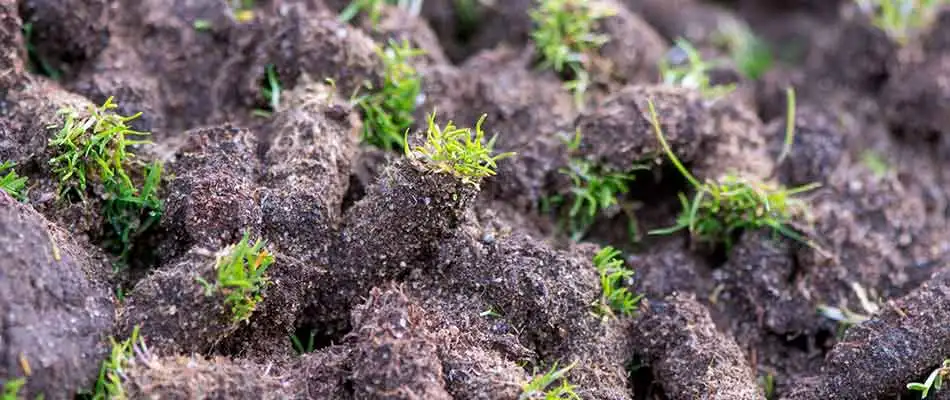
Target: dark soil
x,y
401,283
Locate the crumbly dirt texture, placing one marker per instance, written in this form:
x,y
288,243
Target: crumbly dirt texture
x,y
395,280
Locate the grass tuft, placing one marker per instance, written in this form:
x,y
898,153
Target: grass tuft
x,y
934,381
564,36
900,19
692,73
240,277
751,55
457,151
540,387
388,112
95,148
109,385
11,389
594,190
13,184
723,207
270,90
614,298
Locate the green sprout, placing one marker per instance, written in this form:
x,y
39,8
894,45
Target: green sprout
x,y
270,89
11,389
240,269
35,63
731,204
457,151
594,189
388,112
900,18
613,275
693,73
109,385
934,381
96,147
564,36
875,163
302,348
243,10
12,183
540,387
751,55
374,9
767,382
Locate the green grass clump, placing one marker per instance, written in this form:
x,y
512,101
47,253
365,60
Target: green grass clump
x,y
693,74
457,151
723,207
594,190
13,184
900,19
374,9
11,389
388,112
934,381
540,387
240,269
95,148
270,90
564,36
614,298
109,385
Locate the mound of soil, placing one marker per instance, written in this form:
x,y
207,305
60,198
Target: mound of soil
x,y
393,281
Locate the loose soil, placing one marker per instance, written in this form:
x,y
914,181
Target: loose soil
x,y
401,283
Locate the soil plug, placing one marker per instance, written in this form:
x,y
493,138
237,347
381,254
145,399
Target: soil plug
x,y
878,357
12,68
193,304
690,358
57,312
416,203
395,352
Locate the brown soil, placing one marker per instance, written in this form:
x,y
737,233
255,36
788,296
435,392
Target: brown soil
x,y
411,284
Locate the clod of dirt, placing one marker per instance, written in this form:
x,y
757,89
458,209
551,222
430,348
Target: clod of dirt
x,y
938,39
397,227
11,38
758,279
619,134
172,307
666,268
690,359
878,357
55,311
310,150
213,197
865,49
179,377
634,49
736,143
317,46
817,148
395,357
324,374
30,114
915,99
64,33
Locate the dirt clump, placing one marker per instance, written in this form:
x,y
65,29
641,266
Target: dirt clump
x,y
395,357
878,357
181,377
56,309
688,356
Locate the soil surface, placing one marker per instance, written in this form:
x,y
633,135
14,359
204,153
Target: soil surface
x,y
391,281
